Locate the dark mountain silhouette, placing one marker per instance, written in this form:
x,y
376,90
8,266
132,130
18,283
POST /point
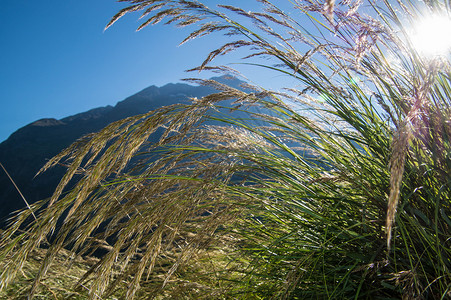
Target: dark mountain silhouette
x,y
28,149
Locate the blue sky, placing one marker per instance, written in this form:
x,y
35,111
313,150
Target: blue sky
x,y
56,60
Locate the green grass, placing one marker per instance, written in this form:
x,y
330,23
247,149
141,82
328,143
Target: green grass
x,y
192,281
345,195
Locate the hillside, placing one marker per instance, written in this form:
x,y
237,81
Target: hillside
x,y
27,149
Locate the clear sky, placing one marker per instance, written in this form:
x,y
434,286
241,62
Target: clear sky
x,y
56,60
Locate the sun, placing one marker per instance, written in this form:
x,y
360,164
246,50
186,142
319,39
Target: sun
x,y
431,35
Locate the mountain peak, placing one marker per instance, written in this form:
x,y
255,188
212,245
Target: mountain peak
x,y
28,149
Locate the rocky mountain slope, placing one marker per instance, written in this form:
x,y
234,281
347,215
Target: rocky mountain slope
x,y
27,149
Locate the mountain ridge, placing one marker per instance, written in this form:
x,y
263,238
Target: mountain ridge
x,y
28,148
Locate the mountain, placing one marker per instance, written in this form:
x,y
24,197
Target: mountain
x,y
28,149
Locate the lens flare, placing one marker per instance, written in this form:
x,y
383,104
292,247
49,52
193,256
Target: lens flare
x,y
431,36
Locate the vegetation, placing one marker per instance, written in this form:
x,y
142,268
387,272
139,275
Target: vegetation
x,y
338,187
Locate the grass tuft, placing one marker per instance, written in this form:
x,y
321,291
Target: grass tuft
x,y
336,188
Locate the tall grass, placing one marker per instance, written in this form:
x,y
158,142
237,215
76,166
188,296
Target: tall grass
x,y
338,187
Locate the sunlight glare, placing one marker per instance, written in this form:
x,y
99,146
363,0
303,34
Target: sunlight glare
x,y
431,36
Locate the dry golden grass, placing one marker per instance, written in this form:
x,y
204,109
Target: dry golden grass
x,y
202,278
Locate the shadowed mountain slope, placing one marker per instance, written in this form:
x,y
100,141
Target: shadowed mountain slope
x,y
28,149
